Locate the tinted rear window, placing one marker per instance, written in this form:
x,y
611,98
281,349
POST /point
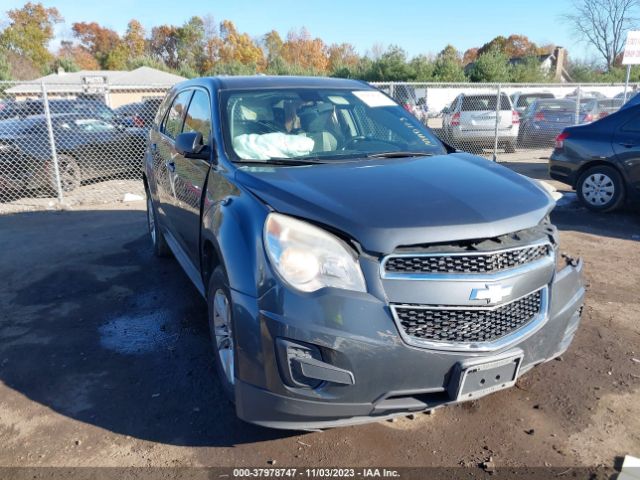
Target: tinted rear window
x,y
526,100
484,102
556,106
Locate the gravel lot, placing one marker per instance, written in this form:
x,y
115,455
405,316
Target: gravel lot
x,y
105,361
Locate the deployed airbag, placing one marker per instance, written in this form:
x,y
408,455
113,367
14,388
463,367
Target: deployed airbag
x,y
253,146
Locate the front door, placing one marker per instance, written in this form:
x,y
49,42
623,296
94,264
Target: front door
x,y
164,153
190,177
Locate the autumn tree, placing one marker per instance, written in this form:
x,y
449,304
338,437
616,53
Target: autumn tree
x,y
78,55
302,51
341,56
164,44
134,39
470,56
28,34
513,46
100,41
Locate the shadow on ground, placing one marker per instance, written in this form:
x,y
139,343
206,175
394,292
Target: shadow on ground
x,y
96,328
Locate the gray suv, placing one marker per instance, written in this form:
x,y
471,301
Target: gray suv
x,y
354,266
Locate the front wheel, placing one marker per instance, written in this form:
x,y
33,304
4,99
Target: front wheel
x,y
510,147
601,189
220,313
69,174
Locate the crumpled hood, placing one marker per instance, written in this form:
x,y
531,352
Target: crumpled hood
x,y
386,203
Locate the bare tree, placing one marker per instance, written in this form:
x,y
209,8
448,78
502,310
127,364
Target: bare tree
x,y
603,24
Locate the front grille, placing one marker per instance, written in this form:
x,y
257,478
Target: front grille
x,y
467,324
472,262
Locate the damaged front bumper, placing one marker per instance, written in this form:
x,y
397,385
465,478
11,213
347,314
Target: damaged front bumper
x,y
359,367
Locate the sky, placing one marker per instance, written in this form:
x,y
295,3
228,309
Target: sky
x,y
417,26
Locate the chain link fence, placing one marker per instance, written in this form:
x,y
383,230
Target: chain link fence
x,y
522,124
63,145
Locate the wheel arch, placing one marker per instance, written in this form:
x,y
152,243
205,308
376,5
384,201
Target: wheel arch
x,y
596,163
231,236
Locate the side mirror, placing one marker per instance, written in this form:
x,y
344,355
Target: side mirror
x,y
190,145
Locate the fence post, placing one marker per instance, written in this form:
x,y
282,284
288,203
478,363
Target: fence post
x,y
52,142
577,115
495,137
391,90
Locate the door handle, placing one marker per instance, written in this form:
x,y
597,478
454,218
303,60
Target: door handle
x,y
627,144
171,166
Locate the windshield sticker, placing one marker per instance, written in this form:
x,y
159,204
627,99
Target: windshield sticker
x,y
338,100
416,131
374,98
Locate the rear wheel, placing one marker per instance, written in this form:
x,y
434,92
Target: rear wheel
x,y
160,247
221,328
601,189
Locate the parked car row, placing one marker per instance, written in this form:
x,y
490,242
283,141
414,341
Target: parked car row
x,y
91,140
601,160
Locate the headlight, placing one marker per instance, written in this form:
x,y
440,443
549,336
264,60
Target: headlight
x,y
309,258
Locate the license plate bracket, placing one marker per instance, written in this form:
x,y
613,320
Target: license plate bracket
x,y
478,378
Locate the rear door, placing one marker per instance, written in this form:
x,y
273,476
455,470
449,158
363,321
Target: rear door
x,y
626,145
190,177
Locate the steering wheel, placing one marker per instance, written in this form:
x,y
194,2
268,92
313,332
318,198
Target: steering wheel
x,y
353,141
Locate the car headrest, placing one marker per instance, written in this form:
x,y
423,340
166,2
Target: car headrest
x,y
314,118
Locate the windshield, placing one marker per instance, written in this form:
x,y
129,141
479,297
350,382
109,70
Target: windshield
x,y
314,124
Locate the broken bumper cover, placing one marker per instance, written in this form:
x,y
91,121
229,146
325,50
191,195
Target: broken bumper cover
x,y
377,375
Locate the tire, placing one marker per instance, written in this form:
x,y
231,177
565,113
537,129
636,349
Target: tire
x,y
160,247
510,147
70,174
220,315
601,189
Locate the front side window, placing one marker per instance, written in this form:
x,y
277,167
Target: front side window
x,y
173,122
198,118
319,124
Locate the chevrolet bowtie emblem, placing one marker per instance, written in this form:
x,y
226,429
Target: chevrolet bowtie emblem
x,y
492,293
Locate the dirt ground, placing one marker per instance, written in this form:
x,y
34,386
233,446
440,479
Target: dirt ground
x,y
105,361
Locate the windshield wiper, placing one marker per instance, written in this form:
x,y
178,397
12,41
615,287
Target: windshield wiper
x,y
399,154
283,161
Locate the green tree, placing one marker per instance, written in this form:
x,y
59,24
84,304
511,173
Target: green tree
x,y
29,32
423,68
528,70
65,63
448,66
190,44
5,68
391,66
491,66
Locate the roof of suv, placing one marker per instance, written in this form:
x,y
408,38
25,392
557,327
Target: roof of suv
x,y
265,81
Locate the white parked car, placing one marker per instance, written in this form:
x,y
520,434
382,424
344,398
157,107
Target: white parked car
x,y
469,122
